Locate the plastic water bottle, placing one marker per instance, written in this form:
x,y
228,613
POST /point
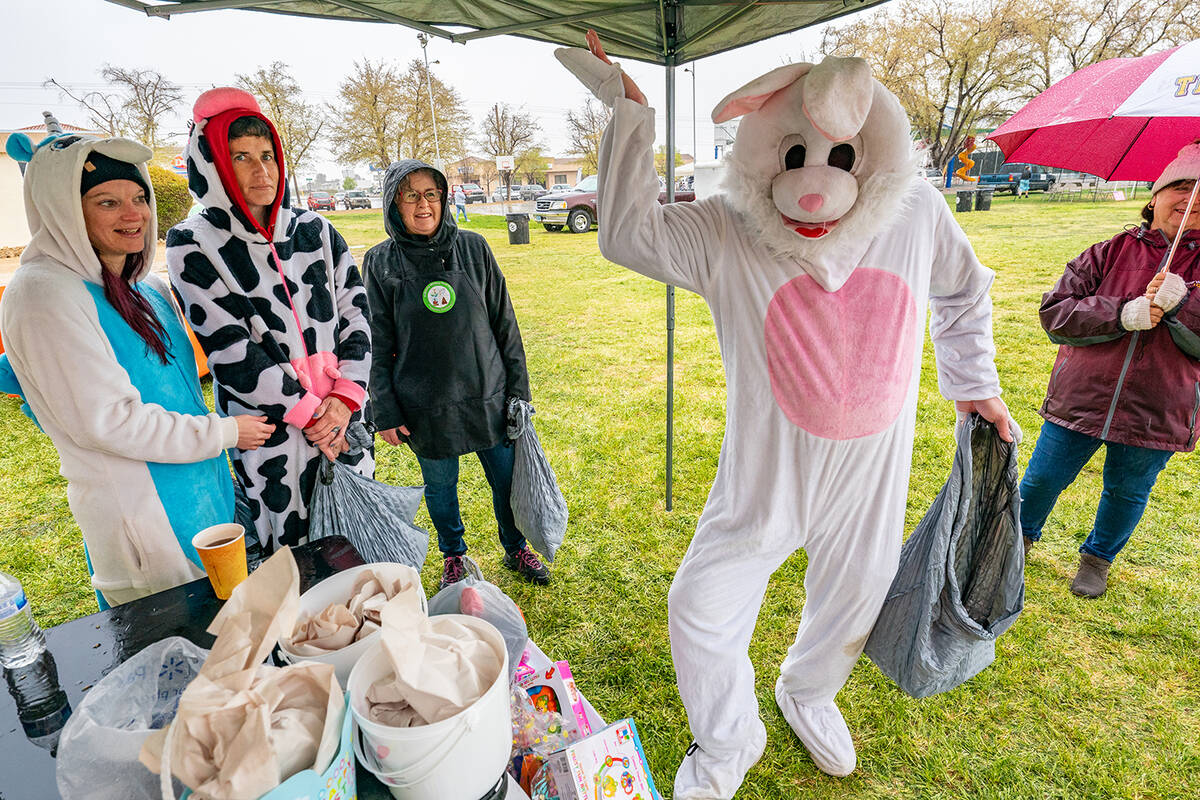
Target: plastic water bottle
x,y
21,640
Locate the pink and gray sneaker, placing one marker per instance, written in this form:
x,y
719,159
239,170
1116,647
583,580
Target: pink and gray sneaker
x,y
528,566
453,571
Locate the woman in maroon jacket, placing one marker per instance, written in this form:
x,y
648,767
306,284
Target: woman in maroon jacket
x,y
1127,374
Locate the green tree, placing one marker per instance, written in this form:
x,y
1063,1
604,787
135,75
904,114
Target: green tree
x,y
349,183
660,160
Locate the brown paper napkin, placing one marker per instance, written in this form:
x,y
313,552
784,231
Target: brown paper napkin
x,y
243,727
340,624
440,667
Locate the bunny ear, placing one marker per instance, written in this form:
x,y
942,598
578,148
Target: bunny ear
x,y
19,147
758,91
837,97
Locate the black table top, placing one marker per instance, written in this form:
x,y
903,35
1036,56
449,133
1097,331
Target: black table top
x,y
88,648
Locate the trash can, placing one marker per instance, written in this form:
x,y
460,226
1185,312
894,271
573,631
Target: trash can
x,y
964,200
983,199
518,228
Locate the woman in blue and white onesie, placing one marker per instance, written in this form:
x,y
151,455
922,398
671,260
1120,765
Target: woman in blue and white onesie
x,y
105,364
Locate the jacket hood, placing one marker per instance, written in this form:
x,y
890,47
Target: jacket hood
x,y
208,141
443,237
1158,238
54,209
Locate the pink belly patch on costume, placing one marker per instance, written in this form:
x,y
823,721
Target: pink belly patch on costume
x,y
840,362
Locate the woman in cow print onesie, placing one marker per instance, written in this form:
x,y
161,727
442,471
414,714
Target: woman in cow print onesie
x,y
277,304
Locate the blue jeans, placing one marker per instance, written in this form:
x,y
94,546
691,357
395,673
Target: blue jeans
x,y
460,210
441,498
1129,475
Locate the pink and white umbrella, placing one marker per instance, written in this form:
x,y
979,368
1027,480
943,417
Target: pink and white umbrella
x,y
1121,119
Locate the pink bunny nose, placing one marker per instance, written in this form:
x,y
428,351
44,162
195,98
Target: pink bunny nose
x,y
811,202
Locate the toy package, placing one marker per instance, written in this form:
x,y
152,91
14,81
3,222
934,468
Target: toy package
x,y
553,689
610,763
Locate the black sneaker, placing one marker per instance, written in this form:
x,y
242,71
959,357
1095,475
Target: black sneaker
x,y
528,566
453,571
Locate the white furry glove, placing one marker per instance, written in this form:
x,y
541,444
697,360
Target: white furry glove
x,y
1135,315
1171,293
603,80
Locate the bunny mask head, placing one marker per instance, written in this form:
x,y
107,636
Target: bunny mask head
x,y
822,157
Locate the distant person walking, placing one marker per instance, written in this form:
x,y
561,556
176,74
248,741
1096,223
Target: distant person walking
x,y
460,203
1023,183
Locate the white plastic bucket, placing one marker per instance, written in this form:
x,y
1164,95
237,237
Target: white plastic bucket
x,y
458,758
337,589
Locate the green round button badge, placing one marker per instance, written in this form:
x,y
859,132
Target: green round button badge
x,y
438,297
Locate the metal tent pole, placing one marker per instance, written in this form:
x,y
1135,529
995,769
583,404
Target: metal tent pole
x,y
670,167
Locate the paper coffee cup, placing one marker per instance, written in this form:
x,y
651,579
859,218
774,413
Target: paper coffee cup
x,y
222,550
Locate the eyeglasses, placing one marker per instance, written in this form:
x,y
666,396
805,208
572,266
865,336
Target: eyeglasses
x,y
411,198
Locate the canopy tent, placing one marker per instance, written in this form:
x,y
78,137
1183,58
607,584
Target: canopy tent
x,y
666,32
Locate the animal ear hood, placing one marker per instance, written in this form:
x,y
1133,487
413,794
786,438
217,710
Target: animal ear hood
x,y
758,91
837,97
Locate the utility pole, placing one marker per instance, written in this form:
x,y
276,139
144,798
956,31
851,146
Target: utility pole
x,y
424,40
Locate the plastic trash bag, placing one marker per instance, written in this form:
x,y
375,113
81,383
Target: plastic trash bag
x,y
98,751
961,580
375,517
537,504
478,598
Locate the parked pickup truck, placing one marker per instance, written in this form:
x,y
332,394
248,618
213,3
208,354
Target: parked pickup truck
x,y
576,210
1007,181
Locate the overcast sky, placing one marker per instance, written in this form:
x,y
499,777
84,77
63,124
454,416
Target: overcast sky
x,y
71,40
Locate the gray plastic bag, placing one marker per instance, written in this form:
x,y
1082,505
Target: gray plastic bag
x,y
490,604
961,580
375,517
537,504
99,747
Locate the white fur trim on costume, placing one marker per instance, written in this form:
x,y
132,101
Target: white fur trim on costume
x,y
1135,315
1171,293
603,80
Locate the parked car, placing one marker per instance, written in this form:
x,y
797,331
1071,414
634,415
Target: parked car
x,y
473,192
533,191
356,199
501,194
320,200
1007,181
575,208
933,176
339,198
559,187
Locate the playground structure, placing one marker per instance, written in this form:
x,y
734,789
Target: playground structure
x,y
964,158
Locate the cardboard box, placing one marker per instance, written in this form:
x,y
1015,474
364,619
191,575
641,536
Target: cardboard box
x,y
610,763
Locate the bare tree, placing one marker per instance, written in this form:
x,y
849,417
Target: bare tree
x,y
508,132
584,128
953,65
105,109
148,99
299,123
1068,35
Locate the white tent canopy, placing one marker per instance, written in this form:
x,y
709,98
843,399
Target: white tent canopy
x,y
666,32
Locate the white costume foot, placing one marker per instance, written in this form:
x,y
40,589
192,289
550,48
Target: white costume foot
x,y
822,731
704,775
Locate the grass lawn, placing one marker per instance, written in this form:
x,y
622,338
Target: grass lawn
x,y
1085,700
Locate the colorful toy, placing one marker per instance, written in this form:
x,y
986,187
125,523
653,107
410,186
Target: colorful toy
x,y
967,162
610,763
554,691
